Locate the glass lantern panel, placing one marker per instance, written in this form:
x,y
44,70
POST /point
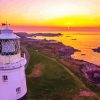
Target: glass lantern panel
x,y
9,47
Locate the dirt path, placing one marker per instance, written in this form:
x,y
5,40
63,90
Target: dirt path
x,y
37,70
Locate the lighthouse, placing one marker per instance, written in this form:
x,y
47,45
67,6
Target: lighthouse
x,y
12,67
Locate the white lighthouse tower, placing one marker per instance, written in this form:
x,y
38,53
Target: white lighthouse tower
x,y
12,67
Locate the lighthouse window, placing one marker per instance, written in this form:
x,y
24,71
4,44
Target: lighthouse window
x,y
5,78
18,90
9,47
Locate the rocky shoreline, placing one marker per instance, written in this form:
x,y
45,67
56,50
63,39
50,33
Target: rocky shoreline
x,y
63,53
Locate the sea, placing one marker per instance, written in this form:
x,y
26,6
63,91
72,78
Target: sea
x,y
83,41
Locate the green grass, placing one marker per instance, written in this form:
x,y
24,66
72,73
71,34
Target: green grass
x,y
56,83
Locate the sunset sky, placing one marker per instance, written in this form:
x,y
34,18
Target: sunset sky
x,y
61,13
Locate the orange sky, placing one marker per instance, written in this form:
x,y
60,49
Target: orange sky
x,y
50,12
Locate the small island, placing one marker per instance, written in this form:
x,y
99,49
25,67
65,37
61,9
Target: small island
x,y
97,50
24,34
46,34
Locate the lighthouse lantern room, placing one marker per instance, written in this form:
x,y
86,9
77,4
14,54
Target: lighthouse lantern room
x,y
12,67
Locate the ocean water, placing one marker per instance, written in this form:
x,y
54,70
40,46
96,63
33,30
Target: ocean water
x,y
84,42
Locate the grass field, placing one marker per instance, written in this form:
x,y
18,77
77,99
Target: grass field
x,y
55,82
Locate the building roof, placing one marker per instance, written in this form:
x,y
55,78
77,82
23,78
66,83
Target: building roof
x,y
7,33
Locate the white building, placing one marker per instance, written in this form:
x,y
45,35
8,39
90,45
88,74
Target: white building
x,y
12,67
